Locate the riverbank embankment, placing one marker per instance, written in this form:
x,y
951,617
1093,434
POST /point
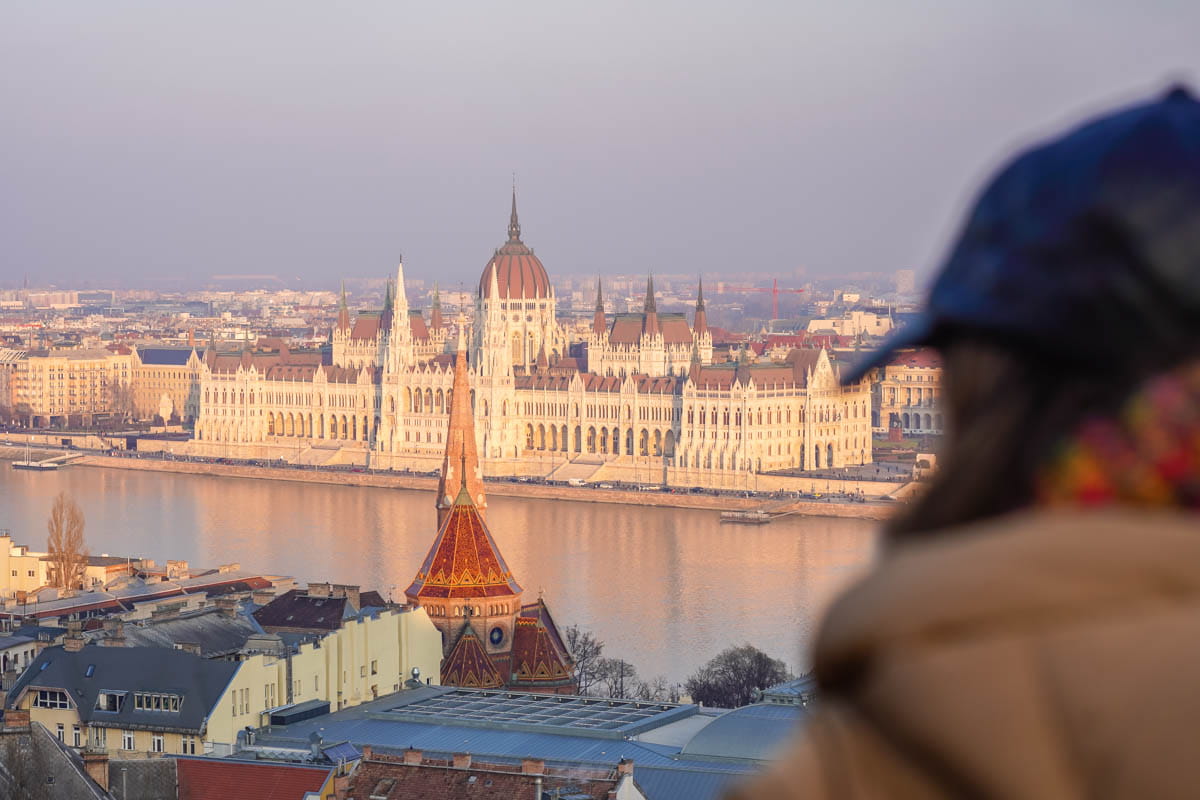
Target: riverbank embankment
x,y
874,511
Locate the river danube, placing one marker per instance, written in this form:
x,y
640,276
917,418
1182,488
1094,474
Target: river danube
x,y
664,588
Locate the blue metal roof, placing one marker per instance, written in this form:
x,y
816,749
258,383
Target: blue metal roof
x,y
165,356
752,732
673,783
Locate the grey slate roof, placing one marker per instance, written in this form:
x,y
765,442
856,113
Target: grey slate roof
x,y
34,763
144,778
216,634
200,682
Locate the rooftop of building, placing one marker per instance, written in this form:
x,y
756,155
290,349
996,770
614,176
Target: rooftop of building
x,y
165,356
196,683
505,727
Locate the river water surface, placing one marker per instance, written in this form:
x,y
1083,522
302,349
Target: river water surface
x,y
664,588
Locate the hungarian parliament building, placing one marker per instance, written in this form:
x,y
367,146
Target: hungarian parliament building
x,y
643,402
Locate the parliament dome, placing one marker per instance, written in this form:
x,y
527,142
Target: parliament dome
x,y
519,273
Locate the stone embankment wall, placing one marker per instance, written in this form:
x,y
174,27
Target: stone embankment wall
x,y
501,489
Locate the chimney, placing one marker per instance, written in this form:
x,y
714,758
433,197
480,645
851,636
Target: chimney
x,y
16,719
226,606
351,593
188,647
262,597
319,590
114,633
412,757
625,766
95,762
73,642
533,766
462,760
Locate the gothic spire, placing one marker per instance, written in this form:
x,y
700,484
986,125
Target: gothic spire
x,y
343,322
599,325
400,296
650,324
435,315
700,322
460,466
514,227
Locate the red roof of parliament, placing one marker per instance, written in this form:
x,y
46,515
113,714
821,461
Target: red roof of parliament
x,y
519,273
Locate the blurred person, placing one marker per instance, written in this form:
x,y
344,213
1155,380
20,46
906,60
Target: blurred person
x,y
1032,628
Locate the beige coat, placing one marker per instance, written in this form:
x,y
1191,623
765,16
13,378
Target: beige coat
x,y
1044,655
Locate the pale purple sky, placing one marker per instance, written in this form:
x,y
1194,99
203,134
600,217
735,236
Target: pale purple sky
x,y
319,140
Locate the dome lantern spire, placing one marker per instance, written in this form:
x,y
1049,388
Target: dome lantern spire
x,y
514,226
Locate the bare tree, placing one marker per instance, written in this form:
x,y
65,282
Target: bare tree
x,y
68,553
733,676
586,649
120,400
617,678
656,690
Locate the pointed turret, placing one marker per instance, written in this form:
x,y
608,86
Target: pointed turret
x,y
435,316
700,322
542,361
599,324
460,466
385,319
399,295
514,226
343,321
650,325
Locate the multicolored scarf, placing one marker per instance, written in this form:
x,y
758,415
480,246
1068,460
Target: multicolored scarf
x,y
1148,456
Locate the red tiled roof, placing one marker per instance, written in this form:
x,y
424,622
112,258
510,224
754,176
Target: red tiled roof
x,y
297,609
388,778
468,664
536,655
923,358
366,326
222,779
464,560
416,324
627,329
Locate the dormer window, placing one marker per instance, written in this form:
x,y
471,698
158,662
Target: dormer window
x,y
110,701
51,698
154,701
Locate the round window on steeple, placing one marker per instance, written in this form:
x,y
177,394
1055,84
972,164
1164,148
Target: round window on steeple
x,y
496,636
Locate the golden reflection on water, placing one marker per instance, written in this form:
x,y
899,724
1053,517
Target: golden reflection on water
x,y
666,589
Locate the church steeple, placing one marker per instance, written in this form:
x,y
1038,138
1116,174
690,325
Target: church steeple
x,y
599,325
460,466
514,227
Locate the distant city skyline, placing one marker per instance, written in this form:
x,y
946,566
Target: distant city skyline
x,y
147,144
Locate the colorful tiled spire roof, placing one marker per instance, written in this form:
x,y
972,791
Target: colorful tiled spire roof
x,y
464,561
468,664
460,466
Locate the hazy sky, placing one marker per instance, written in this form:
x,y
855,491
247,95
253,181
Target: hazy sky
x,y
320,140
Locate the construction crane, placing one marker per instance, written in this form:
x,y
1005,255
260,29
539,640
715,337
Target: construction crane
x,y
773,289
